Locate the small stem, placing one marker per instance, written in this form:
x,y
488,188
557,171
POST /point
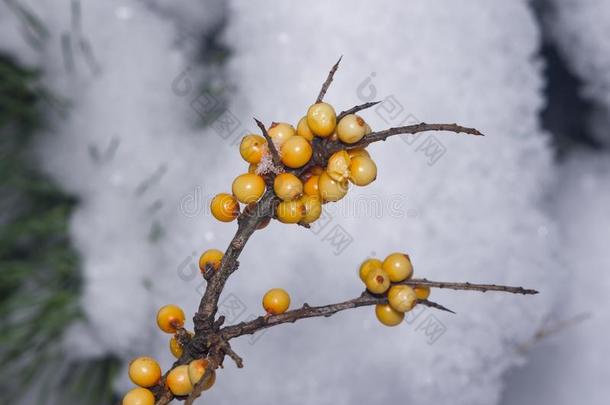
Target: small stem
x,y
328,81
468,286
357,108
275,156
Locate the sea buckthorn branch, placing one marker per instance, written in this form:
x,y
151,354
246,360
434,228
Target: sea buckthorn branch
x,y
422,282
324,147
365,299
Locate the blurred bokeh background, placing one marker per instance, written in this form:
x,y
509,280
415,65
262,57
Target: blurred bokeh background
x,y
119,119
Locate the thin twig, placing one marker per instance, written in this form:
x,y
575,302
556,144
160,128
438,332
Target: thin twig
x,y
357,108
328,81
272,149
306,311
468,286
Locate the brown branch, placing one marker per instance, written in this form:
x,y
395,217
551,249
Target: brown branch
x,y
328,81
306,311
357,108
275,156
468,286
332,147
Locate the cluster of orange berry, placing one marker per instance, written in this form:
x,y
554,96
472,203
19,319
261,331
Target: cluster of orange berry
x,y
145,372
379,277
301,196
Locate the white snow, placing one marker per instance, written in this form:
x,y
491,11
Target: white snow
x,y
572,363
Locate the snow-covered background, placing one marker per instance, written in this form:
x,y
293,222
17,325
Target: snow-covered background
x,y
142,146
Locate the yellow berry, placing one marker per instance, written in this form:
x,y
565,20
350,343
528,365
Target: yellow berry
x,y
290,212
252,148
211,256
248,188
197,370
276,301
402,298
144,371
139,396
303,129
388,315
252,168
178,381
296,152
175,347
287,186
338,166
398,266
358,152
224,207
422,292
377,281
311,186
351,128
331,190
321,119
366,266
170,318
280,132
313,208
362,171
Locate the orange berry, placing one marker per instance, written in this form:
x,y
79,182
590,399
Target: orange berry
x,y
144,371
331,190
276,301
287,186
398,266
252,148
303,129
139,396
313,208
338,166
196,371
280,132
367,266
290,212
402,298
377,281
351,128
170,318
358,152
224,207
321,119
422,292
248,188
317,170
311,186
211,256
388,315
178,381
362,171
296,152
